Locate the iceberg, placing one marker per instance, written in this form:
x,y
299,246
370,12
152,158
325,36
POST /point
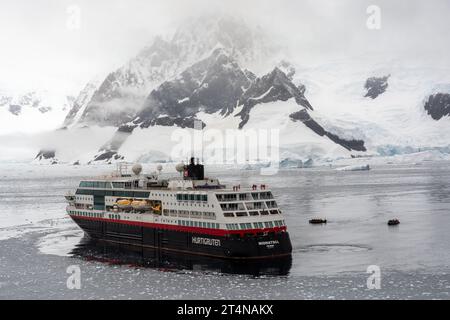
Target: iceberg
x,y
365,167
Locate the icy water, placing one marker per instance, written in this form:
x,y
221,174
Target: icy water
x,y
38,243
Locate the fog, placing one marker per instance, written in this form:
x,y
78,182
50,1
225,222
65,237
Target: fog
x,y
42,47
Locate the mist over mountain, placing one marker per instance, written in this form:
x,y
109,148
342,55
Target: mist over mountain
x,y
226,73
209,74
123,92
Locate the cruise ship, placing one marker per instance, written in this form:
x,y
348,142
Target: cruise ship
x,y
189,213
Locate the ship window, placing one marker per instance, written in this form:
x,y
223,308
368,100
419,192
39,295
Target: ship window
x,y
241,214
231,197
118,185
243,226
128,194
271,204
197,197
254,213
138,194
242,196
84,192
86,184
268,224
204,197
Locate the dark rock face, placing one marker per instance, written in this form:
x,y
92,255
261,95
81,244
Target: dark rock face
x,y
213,84
187,122
45,154
438,105
275,86
109,151
376,86
108,156
15,109
78,103
303,116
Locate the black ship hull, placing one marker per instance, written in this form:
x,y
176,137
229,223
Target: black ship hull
x,y
138,256
229,246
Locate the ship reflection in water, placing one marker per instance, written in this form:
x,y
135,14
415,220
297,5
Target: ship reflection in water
x,y
106,252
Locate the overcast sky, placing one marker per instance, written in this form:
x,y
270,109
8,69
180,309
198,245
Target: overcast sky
x,y
38,49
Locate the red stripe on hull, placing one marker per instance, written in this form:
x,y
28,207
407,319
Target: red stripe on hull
x,y
215,232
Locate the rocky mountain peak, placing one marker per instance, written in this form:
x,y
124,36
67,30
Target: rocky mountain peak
x,y
124,91
210,85
274,86
376,86
438,105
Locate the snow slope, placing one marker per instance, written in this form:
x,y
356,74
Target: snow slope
x,y
32,112
395,118
164,143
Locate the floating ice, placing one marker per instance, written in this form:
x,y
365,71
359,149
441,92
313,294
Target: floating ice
x,y
355,168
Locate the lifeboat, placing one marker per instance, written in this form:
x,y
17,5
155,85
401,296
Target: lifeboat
x,y
318,221
124,204
140,205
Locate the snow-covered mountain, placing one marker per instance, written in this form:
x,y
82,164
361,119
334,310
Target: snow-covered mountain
x,y
30,112
121,94
211,71
407,114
